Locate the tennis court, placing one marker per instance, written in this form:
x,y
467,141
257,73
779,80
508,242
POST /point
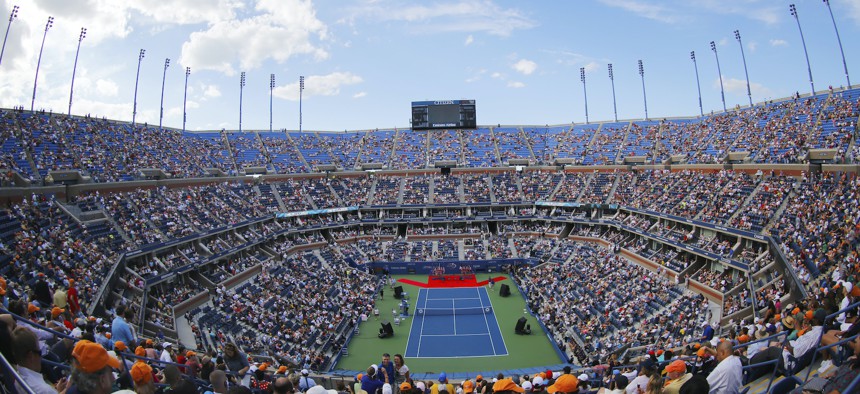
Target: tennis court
x,y
457,322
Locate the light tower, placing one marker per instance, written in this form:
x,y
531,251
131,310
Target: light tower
x,y
612,79
584,93
12,16
39,62
644,97
136,80
698,85
793,10
163,78
241,88
749,93
75,68
722,92
185,98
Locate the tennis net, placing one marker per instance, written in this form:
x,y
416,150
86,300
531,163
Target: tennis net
x,y
453,311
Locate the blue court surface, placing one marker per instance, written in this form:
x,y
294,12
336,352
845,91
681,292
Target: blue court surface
x,y
454,323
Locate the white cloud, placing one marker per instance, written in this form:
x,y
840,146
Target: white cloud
x,y
107,88
739,86
723,42
469,40
592,66
318,85
457,16
211,91
778,43
645,9
525,66
283,30
497,75
752,45
359,95
516,84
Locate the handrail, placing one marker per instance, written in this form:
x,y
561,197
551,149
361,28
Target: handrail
x,y
12,373
772,376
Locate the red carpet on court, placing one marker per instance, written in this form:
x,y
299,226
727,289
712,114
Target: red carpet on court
x,y
450,281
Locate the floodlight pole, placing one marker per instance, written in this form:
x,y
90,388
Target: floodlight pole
x,y
793,10
75,68
39,62
241,88
12,16
301,89
185,98
839,40
722,92
140,57
644,97
698,85
612,79
163,78
749,92
271,94
584,93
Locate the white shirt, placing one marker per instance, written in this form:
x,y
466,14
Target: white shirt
x,y
165,356
727,377
806,341
754,348
640,381
35,380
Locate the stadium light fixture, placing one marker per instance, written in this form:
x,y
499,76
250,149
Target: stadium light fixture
x,y
722,91
301,89
39,62
75,68
746,73
163,78
271,94
584,93
185,98
698,85
241,88
793,10
612,79
644,97
12,16
839,40
140,57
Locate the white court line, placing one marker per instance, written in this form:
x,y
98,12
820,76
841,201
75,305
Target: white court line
x,y
454,313
487,322
497,321
449,335
412,323
418,351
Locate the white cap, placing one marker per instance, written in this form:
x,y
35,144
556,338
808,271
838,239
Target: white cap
x,y
537,380
320,390
583,377
386,389
305,372
527,385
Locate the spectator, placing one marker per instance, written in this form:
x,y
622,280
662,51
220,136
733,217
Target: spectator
x,y
219,382
727,377
676,374
305,382
370,383
236,362
141,374
120,329
25,347
92,373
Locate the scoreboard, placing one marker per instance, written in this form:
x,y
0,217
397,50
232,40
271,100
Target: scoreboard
x,y
443,114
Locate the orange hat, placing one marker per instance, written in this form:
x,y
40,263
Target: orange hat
x,y
808,315
141,373
140,351
190,354
676,366
478,378
2,283
120,346
2,291
744,338
566,383
659,352
542,375
468,386
92,357
32,308
263,366
282,369
777,317
149,342
701,353
71,282
697,346
795,311
107,335
359,376
405,386
508,385
57,311
92,318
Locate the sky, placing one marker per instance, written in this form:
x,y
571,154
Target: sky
x,y
365,61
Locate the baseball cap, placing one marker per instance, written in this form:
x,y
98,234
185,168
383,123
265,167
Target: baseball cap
x,y
305,372
140,351
537,381
420,386
565,383
32,308
582,377
282,369
526,385
322,390
507,385
141,372
676,366
386,389
120,346
479,378
443,377
405,386
57,311
92,357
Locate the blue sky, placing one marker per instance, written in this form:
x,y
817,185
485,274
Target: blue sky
x,y
366,60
